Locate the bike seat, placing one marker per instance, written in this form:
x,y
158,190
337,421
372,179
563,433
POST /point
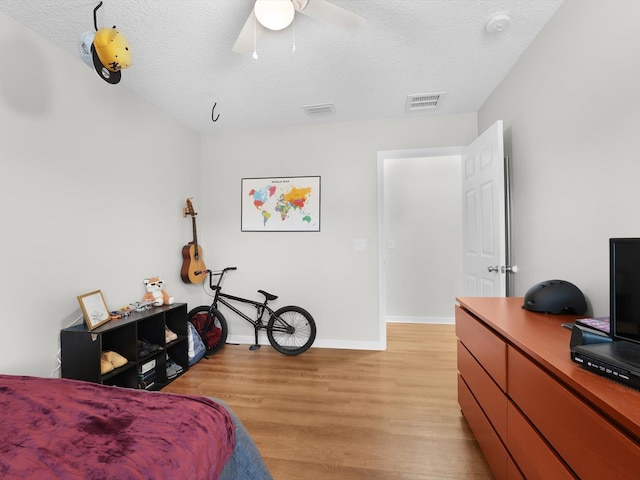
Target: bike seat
x,y
268,295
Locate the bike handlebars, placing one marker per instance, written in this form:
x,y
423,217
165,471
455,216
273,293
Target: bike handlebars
x,y
217,273
220,272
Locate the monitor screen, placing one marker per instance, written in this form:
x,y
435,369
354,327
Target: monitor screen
x,y
624,265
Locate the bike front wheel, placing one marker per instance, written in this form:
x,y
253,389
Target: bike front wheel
x,y
211,326
291,330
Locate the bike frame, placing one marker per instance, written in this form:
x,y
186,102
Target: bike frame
x,y
261,307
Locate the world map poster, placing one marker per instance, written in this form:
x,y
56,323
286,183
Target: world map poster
x,y
281,204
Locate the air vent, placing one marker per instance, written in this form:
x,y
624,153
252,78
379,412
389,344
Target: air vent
x,y
423,101
319,108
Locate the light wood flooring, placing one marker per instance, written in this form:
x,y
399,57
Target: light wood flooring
x,y
349,414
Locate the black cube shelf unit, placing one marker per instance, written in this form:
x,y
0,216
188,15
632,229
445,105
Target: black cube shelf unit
x,y
81,348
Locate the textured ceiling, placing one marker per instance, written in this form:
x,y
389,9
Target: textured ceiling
x,y
182,58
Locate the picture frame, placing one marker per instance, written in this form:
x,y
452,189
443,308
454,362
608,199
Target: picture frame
x,y
280,204
94,309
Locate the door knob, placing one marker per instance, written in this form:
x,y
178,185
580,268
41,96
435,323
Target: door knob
x,y
493,268
509,268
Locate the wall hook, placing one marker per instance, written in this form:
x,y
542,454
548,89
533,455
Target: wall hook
x,y
95,22
216,117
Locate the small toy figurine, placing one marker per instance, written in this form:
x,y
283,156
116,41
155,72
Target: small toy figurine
x,y
155,293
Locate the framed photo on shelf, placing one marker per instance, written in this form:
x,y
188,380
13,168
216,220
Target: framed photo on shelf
x,y
280,204
94,309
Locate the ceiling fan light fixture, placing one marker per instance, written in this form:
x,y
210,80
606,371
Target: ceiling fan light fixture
x,y
274,14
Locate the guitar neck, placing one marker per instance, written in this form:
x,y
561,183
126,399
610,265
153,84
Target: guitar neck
x,y
195,236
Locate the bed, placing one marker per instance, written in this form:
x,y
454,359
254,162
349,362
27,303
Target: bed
x,y
67,429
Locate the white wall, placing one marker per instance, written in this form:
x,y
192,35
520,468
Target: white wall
x,y
319,271
571,110
92,184
423,220
93,181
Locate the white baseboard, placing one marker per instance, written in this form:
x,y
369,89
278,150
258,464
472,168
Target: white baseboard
x,y
346,344
340,344
435,320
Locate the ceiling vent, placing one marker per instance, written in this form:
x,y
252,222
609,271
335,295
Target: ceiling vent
x,y
423,101
319,108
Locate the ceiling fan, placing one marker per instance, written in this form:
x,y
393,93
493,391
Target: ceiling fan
x,y
278,14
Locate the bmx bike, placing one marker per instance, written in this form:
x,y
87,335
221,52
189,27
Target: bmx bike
x,y
291,330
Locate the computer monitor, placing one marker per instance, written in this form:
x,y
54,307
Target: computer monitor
x,y
624,266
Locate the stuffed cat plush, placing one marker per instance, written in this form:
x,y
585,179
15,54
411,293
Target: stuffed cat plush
x,y
155,293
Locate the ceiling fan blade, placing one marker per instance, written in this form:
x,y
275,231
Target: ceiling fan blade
x,y
248,35
330,14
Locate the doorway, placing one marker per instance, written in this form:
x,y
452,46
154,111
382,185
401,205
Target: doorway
x,y
487,212
402,248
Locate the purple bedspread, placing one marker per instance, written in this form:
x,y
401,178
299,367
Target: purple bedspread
x,y
67,429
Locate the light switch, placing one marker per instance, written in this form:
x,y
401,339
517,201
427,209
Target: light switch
x,y
360,244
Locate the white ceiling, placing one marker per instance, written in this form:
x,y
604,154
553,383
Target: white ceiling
x,y
182,58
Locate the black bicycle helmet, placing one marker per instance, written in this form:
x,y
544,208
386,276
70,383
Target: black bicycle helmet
x,y
555,296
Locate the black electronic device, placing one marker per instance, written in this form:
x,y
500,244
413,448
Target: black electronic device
x,y
581,335
624,288
617,360
616,356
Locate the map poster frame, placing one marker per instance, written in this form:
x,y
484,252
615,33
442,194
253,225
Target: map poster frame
x,y
280,204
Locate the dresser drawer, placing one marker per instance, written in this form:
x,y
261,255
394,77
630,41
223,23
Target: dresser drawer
x,y
491,446
512,471
492,400
484,345
534,457
591,446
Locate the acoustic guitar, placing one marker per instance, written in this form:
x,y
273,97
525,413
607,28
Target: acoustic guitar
x,y
193,269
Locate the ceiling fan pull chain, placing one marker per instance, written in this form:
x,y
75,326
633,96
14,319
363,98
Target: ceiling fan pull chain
x,y
255,37
293,35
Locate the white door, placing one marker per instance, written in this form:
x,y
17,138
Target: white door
x,y
484,217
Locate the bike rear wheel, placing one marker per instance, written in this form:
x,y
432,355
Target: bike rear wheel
x,y
218,330
291,330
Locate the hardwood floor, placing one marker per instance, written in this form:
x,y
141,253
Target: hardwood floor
x,y
349,414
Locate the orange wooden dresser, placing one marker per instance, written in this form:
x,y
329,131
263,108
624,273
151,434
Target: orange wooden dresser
x,y
535,413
